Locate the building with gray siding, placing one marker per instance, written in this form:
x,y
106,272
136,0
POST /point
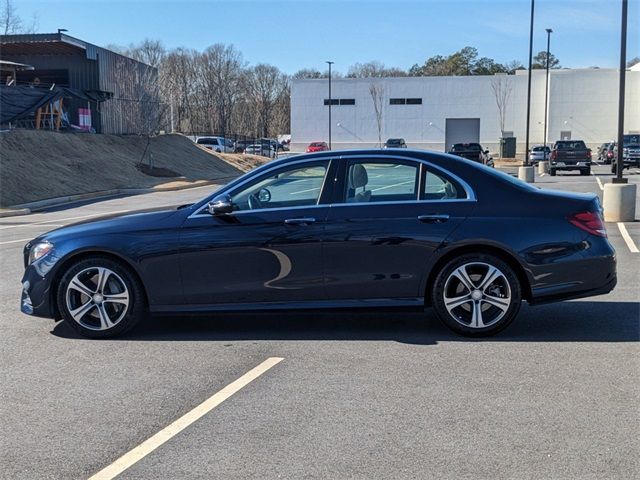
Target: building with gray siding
x,y
67,61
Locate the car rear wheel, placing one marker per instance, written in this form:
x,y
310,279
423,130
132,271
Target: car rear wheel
x,y
585,172
552,172
100,298
476,295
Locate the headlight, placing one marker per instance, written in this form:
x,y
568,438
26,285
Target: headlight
x,y
39,250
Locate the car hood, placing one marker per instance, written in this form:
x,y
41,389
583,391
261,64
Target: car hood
x,y
118,223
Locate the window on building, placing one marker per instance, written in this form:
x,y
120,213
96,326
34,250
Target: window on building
x,y
405,101
340,101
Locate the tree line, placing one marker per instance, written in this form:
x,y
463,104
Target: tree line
x,y
217,91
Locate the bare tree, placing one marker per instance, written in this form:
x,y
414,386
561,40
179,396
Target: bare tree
x,y
377,96
266,85
10,21
374,69
502,87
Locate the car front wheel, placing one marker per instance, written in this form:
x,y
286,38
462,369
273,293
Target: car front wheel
x,y
100,298
476,295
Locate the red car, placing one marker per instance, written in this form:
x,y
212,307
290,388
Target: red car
x,y
317,147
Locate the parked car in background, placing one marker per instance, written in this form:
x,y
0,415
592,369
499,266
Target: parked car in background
x,y
241,145
472,151
395,143
217,144
570,155
608,153
317,147
264,149
602,151
539,153
414,229
630,153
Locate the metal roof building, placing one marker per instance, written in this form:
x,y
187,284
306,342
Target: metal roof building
x,y
63,60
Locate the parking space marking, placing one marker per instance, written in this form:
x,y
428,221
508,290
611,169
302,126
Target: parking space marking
x,y
627,238
45,222
16,241
599,183
171,430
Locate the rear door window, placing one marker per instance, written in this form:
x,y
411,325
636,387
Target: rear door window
x,y
381,181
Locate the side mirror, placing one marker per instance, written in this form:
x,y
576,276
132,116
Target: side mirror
x,y
486,151
221,205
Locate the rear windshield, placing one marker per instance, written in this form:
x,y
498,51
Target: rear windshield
x,y
466,147
394,141
574,145
208,141
540,149
317,144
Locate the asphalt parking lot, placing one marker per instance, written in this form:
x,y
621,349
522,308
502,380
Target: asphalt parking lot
x,y
388,394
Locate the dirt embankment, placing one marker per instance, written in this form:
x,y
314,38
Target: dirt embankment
x,y
36,165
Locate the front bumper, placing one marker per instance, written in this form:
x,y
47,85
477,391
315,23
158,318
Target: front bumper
x,y
36,298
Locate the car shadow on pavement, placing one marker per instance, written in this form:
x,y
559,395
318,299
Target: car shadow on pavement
x,y
576,321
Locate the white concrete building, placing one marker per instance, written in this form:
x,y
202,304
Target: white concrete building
x,y
432,112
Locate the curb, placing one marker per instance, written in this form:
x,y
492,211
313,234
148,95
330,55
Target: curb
x,y
27,208
14,212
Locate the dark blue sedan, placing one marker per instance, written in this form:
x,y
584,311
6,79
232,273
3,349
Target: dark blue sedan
x,y
369,228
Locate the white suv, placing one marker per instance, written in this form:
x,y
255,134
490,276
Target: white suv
x,y
217,144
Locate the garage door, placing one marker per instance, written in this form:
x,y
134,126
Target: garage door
x,y
461,130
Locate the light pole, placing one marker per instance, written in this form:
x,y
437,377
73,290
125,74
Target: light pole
x,y
619,197
546,87
526,144
330,63
623,69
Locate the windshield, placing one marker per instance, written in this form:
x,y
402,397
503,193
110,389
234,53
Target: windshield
x,y
466,147
631,140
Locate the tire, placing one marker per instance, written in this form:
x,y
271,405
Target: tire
x,y
613,168
585,172
100,298
552,172
489,308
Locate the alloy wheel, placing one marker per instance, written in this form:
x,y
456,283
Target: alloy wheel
x,y
477,295
97,298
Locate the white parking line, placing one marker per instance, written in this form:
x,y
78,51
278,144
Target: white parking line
x,y
16,241
627,238
394,185
305,191
43,222
599,183
171,430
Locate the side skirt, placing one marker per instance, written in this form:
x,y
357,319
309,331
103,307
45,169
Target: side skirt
x,y
323,304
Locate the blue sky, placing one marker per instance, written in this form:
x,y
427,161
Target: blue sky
x,y
304,33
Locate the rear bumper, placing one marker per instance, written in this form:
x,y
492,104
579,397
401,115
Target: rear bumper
x,y
590,277
566,166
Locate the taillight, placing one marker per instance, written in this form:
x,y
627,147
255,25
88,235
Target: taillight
x,y
590,222
589,154
609,154
554,154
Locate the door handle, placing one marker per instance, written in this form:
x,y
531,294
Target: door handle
x,y
433,218
299,221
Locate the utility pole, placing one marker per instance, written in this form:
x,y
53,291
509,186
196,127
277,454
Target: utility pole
x,y
526,146
330,63
546,87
